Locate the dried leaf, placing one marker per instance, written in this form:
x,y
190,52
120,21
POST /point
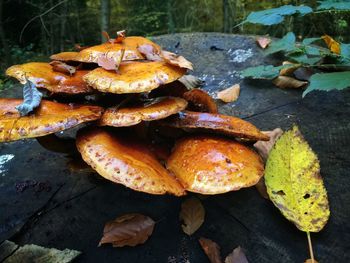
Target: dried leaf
x,y
294,184
263,42
288,71
192,215
286,82
149,52
79,47
176,60
311,261
191,81
237,256
32,98
200,100
106,35
230,94
333,45
109,63
60,66
264,147
128,230
211,249
120,36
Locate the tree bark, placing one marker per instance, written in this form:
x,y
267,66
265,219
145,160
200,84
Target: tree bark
x,y
4,43
225,16
105,16
63,25
171,26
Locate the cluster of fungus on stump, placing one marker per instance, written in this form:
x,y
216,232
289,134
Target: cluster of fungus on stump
x,y
147,91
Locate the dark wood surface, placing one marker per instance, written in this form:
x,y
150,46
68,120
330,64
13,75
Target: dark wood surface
x,y
69,208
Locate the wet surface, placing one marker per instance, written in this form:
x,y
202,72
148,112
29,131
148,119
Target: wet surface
x,y
70,211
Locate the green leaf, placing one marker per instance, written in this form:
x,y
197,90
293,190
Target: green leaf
x,y
275,15
264,72
334,4
329,81
294,184
286,43
32,98
303,59
345,50
308,41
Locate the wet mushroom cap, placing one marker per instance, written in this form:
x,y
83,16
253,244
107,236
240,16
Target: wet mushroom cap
x,y
126,161
213,165
133,77
43,76
200,100
65,56
49,117
154,109
217,123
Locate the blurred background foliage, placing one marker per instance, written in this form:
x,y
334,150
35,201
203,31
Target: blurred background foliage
x,y
34,29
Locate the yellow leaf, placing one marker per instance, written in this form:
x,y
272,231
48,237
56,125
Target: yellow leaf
x,y
294,184
192,215
333,45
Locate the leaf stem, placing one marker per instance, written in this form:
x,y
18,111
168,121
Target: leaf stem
x,y
310,247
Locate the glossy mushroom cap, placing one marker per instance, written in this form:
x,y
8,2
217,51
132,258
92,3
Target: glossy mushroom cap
x,y
200,100
212,165
155,109
43,76
126,161
133,77
218,123
49,117
109,50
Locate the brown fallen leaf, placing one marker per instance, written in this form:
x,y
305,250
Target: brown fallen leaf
x,y
120,36
263,42
230,94
192,215
289,70
149,52
264,147
237,256
62,67
191,81
211,249
110,63
333,45
286,82
200,100
106,35
311,261
176,60
127,230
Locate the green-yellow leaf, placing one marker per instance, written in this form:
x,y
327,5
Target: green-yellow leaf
x,y
294,184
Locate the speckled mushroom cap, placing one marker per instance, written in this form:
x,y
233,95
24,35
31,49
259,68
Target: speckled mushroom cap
x,y
134,77
126,161
217,123
211,165
109,50
43,76
49,117
154,109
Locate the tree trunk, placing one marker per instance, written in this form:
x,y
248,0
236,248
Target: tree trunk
x,y
4,43
63,25
225,16
171,26
105,16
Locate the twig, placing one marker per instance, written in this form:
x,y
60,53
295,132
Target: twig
x,y
310,247
39,16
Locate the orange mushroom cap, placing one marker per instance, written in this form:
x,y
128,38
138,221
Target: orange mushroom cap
x,y
126,161
200,100
109,50
212,165
43,76
155,109
49,117
133,77
218,123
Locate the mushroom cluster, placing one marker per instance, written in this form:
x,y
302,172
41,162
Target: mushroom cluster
x,y
151,128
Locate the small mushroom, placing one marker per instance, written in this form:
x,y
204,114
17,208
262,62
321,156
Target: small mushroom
x,y
212,165
43,76
218,123
133,77
127,161
49,117
154,109
200,100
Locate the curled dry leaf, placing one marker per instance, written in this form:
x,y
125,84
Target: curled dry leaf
x,y
106,35
150,52
192,215
237,256
333,45
211,249
200,100
264,147
128,230
288,71
191,81
286,82
62,67
230,94
110,63
120,36
32,99
263,42
176,60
